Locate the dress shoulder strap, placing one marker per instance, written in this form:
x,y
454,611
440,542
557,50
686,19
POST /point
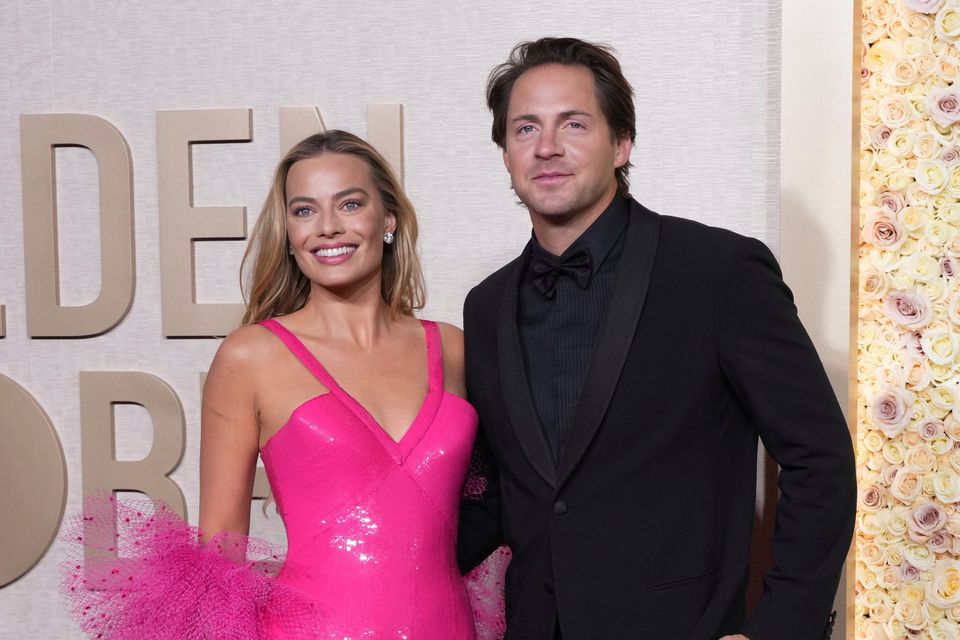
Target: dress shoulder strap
x,y
434,354
300,351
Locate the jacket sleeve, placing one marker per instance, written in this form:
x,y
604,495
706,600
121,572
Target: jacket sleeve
x,y
480,531
770,362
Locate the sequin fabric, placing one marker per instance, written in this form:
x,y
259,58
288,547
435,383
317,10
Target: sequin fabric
x,y
371,534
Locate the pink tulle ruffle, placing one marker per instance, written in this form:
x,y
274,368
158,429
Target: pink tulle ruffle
x,y
137,571
485,586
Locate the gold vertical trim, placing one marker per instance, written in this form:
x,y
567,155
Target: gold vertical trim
x,y
854,346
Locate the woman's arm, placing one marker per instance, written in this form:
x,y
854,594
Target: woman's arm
x,y
229,436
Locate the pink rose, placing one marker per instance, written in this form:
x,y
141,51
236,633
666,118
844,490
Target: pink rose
x,y
913,343
924,6
879,136
892,201
889,473
943,103
883,230
871,497
947,266
890,410
926,520
931,429
951,154
940,542
910,309
908,572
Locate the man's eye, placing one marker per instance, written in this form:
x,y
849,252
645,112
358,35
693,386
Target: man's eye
x,y
527,128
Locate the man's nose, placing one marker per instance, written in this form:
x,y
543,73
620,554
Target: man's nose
x,y
548,144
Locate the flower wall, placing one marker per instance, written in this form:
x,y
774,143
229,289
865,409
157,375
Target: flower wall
x,y
908,437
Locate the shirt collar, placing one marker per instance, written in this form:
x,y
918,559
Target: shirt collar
x,y
600,237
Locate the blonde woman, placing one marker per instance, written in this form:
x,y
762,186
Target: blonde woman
x,y
356,408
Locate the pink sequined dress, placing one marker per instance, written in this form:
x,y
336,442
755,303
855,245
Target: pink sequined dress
x,y
371,534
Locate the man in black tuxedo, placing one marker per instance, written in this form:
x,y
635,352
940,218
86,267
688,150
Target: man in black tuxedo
x,y
624,366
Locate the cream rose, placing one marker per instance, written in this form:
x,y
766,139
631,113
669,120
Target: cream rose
x,y
946,486
941,346
916,373
873,284
923,268
895,110
924,146
946,68
901,143
931,175
917,24
947,23
943,590
906,486
944,630
900,73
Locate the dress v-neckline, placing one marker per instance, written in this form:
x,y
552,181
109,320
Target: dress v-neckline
x,y
400,449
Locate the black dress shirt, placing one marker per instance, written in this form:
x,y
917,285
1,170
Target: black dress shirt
x,y
557,333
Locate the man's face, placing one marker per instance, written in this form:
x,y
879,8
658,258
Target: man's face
x,y
559,149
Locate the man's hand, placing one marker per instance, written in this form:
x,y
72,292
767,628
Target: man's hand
x,y
736,637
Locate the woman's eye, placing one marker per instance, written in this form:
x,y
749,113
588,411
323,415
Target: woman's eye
x,y
301,212
351,205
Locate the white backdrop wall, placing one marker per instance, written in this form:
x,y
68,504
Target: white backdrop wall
x,y
707,83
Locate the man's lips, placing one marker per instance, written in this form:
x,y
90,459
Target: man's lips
x,y
551,177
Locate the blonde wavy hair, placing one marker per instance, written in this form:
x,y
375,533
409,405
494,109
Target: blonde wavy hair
x,y
276,286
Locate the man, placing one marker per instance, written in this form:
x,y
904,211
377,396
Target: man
x,y
623,367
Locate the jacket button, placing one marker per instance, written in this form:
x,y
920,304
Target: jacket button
x,y
559,507
548,586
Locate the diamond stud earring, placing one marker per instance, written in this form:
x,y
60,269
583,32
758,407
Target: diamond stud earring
x,y
388,237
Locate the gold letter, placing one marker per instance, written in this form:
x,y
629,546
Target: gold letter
x,y
297,123
39,134
35,485
384,130
181,223
102,472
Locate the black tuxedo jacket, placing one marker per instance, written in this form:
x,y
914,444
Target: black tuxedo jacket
x,y
643,528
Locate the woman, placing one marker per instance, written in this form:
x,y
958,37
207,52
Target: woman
x,y
366,453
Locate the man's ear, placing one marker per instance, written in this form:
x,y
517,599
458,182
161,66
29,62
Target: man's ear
x,y
624,147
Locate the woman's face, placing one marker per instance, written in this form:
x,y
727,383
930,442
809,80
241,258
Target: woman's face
x,y
335,220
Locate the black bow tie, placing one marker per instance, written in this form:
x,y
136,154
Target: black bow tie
x,y
574,264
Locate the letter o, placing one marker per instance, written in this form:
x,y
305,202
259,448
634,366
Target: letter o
x,y
34,474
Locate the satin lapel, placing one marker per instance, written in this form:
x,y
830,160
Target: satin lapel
x,y
513,379
616,335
